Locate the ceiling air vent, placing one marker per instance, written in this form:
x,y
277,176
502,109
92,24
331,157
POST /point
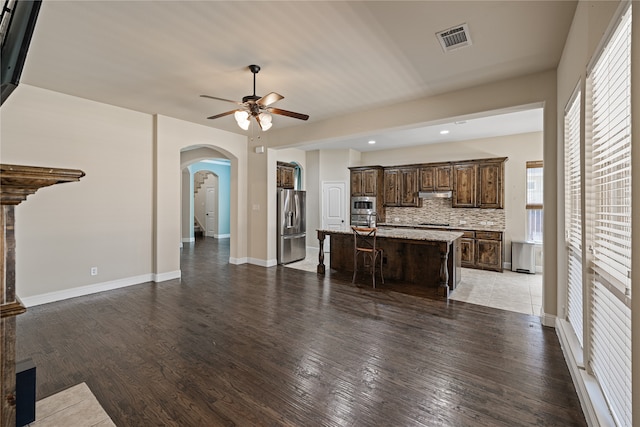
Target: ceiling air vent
x,y
454,38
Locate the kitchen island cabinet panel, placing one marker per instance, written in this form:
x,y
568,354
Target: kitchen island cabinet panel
x,y
410,256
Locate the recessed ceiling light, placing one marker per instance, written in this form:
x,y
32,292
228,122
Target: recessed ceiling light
x,y
444,132
372,142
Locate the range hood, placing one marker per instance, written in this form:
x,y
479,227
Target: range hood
x,y
434,194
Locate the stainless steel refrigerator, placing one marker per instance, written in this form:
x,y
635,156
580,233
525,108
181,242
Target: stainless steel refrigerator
x,y
292,240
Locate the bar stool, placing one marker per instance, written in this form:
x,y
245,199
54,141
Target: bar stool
x,y
364,242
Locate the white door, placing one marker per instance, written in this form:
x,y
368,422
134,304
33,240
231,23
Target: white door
x,y
211,212
334,214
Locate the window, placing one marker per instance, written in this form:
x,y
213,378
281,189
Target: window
x,y
608,226
573,215
534,201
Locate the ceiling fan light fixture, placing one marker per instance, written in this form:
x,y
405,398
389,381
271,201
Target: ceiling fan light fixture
x,y
264,120
242,118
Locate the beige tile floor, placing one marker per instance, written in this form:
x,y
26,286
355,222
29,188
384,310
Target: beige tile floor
x,y
519,292
73,407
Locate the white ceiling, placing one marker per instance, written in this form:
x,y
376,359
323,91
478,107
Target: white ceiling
x,y
327,58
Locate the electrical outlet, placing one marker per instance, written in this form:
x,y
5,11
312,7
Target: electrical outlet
x,y
94,271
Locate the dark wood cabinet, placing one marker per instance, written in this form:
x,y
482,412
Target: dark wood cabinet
x,y
366,181
489,250
479,184
285,175
491,189
465,185
467,249
435,178
474,183
401,187
482,250
408,191
391,187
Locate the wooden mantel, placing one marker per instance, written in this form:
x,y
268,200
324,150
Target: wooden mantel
x,y
16,183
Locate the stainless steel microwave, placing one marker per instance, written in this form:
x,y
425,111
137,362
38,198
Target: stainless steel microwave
x,y
363,205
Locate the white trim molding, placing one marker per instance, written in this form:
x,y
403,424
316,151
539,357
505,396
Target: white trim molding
x,y
85,290
238,261
262,262
548,320
591,399
170,275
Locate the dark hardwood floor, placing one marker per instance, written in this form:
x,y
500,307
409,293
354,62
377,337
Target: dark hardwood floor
x,y
245,345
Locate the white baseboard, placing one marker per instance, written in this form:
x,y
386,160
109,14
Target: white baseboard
x,y
98,287
170,275
188,239
237,261
85,290
262,262
591,399
222,236
548,320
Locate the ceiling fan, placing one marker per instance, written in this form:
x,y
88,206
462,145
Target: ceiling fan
x,y
256,106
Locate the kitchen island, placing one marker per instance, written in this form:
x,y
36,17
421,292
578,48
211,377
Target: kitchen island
x,y
427,257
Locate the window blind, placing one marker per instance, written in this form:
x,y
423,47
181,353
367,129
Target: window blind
x,y
610,83
573,215
609,207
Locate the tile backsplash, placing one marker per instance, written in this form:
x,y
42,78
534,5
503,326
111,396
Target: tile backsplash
x,y
440,211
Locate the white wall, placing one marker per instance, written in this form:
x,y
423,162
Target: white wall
x,y
123,217
518,148
106,219
172,136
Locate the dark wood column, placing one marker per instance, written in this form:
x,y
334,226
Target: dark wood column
x,y
16,183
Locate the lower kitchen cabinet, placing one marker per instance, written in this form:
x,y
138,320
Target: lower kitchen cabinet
x,y
468,249
489,250
482,250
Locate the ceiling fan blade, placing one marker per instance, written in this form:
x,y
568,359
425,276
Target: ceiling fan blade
x,y
288,113
222,114
221,99
269,99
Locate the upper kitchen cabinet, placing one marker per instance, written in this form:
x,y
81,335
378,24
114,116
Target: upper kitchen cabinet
x,y
435,177
401,187
285,175
408,193
490,184
366,181
479,184
391,187
465,185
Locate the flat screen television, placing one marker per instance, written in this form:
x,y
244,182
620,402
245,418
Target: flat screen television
x,y
18,22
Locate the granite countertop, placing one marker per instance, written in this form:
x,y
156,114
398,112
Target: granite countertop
x,y
440,227
407,233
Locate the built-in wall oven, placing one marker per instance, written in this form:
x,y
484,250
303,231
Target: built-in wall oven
x,y
363,211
